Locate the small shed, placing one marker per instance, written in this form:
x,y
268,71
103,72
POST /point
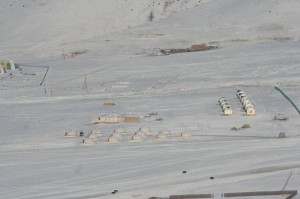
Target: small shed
x,y
117,135
165,131
146,130
94,136
227,111
97,132
136,138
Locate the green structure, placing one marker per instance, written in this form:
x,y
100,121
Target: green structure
x,y
286,97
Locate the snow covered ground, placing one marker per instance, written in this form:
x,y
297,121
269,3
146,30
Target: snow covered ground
x,y
258,49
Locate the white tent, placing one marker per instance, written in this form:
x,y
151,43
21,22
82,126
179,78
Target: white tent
x,y
141,133
161,136
87,142
136,138
71,134
185,135
120,130
112,140
97,132
146,130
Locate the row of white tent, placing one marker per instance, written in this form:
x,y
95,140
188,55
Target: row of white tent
x,y
227,110
247,104
119,134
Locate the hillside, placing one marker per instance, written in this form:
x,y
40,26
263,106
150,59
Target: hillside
x,y
112,71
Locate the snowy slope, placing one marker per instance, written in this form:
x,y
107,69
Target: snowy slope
x,y
46,28
259,49
39,25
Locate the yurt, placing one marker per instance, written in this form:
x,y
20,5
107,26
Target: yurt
x,y
120,130
185,135
161,136
8,64
146,130
283,135
94,136
87,142
136,138
119,136
97,132
141,133
165,131
71,134
112,140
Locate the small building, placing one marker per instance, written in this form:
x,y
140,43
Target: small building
x,y
109,104
132,119
2,71
8,64
250,111
114,118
